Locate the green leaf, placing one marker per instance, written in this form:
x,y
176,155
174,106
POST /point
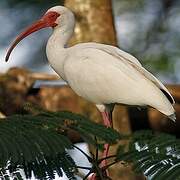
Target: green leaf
x,y
38,143
157,155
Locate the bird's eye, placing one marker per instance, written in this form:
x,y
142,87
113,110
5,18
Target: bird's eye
x,y
52,15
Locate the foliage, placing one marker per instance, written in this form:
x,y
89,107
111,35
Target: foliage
x,y
157,155
38,143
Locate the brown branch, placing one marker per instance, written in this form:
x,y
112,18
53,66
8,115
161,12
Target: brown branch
x,y
44,76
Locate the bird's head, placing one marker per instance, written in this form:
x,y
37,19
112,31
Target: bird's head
x,y
55,17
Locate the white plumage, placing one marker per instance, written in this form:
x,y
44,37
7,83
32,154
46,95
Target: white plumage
x,y
104,74
100,73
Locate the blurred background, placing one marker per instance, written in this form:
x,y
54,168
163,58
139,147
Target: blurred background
x,y
150,30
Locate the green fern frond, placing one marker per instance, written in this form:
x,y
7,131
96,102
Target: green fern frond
x,y
83,124
157,155
38,143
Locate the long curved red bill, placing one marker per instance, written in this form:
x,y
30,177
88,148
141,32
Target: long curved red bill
x,y
48,20
34,27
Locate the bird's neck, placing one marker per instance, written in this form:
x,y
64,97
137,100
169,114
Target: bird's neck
x,y
60,37
56,51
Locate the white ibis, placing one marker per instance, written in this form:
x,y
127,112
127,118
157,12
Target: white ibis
x,y
102,74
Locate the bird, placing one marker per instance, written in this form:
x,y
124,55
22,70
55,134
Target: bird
x,y
102,74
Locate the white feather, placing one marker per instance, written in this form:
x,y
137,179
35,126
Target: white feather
x,y
102,73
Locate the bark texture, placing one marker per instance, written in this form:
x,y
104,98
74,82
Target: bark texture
x,y
94,21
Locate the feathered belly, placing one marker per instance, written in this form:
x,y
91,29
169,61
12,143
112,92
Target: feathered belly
x,y
105,90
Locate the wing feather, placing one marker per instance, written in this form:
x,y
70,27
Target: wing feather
x,y
127,58
152,78
122,55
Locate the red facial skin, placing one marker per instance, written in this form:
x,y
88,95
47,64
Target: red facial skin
x,y
48,20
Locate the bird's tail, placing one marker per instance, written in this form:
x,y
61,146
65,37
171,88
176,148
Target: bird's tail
x,y
172,117
163,105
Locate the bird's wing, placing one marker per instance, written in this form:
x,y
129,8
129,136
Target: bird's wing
x,y
156,82
101,78
127,58
120,54
112,50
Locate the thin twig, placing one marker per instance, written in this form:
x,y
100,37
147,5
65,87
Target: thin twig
x,y
107,166
88,157
108,157
87,175
81,167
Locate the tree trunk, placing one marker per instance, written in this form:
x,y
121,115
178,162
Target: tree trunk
x,y
94,23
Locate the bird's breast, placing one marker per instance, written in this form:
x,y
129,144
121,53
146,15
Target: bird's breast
x,y
56,60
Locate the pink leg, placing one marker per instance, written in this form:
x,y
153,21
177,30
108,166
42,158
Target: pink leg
x,y
108,123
